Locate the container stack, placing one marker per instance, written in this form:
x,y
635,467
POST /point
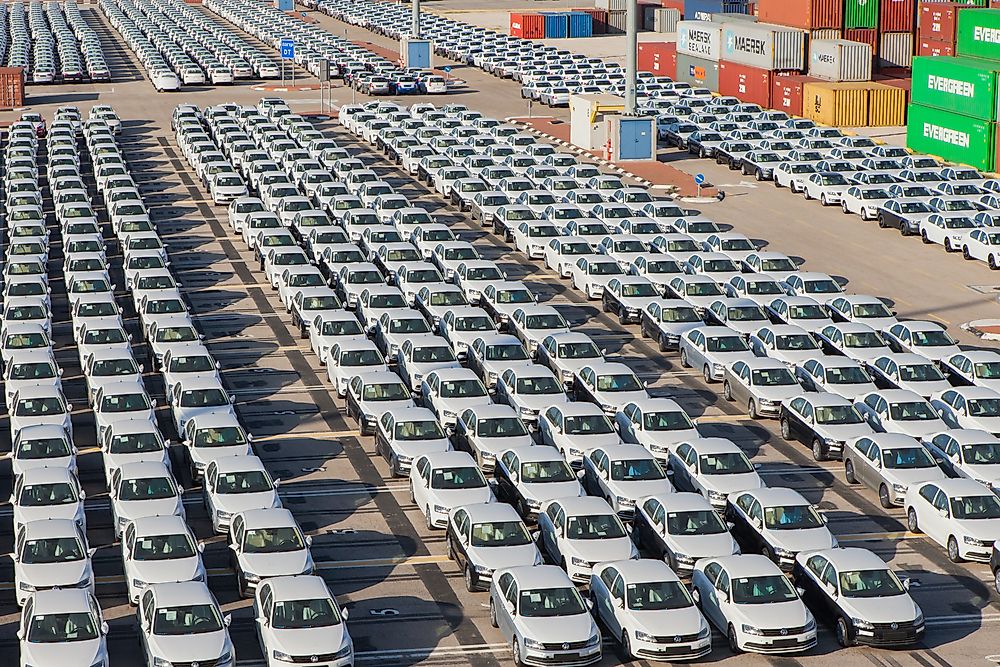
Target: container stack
x,y
598,19
954,110
553,25
753,53
660,58
660,19
699,49
11,87
936,27
704,10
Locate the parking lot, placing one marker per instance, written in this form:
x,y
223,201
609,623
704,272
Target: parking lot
x,y
407,600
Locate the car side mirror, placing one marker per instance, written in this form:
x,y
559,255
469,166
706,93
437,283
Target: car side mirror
x,y
232,398
20,635
309,540
69,407
83,495
227,619
943,512
61,372
152,402
201,547
906,583
263,620
511,609
218,366
277,482
756,522
105,628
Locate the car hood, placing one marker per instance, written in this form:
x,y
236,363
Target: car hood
x,y
598,551
550,490
575,628
620,397
241,502
938,353
844,432
988,424
51,575
497,445
458,497
113,461
925,389
705,546
896,608
460,405
917,429
778,615
915,476
277,564
205,647
729,358
809,539
540,401
686,621
643,488
732,483
779,393
68,654
851,392
309,641
208,454
496,558
982,529
165,571
679,328
379,408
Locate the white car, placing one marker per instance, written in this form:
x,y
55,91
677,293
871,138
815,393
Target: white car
x,y
864,201
609,385
486,430
448,392
42,446
47,493
681,529
197,396
622,474
969,408
140,489
182,623
837,375
348,358
487,537
854,340
950,230
648,610
267,542
889,463
928,339
977,367
982,244
404,434
63,627
827,187
899,411
591,274
51,553
711,349
655,423
235,484
529,476
574,428
132,441
750,600
159,549
712,467
442,481
578,533
968,453
299,620
122,401
961,515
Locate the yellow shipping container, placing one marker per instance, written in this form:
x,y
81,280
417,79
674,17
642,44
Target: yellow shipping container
x,y
836,104
886,105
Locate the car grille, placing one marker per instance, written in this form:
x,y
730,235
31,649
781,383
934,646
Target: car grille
x,y
767,632
308,659
676,639
200,663
564,646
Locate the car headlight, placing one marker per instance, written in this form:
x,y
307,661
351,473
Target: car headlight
x,y
862,624
25,586
345,651
751,630
579,562
526,412
224,658
405,460
440,509
122,521
491,377
658,449
976,543
719,368
532,643
716,495
482,569
784,553
160,662
532,504
594,640
684,558
139,583
622,500
705,632
607,407
919,620
899,488
644,636
251,577
575,452
810,625
281,656
448,414
222,515
567,376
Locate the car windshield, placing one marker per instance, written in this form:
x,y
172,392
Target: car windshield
x,y
487,273
838,415
695,522
588,425
462,389
549,602
191,620
679,314
589,351
429,354
448,299
594,527
864,339
662,267
984,407
666,421
514,296
604,269
418,430
870,584
911,411
987,370
863,310
510,352
795,342
32,371
907,458
135,443
43,448
163,547
481,323
725,463
52,550
273,540
635,470
772,377
37,407
932,338
251,481
501,427
500,534
125,403
702,289
768,589
203,398
746,314
26,341
457,478
60,628
807,312
976,507
987,453
303,614
361,358
923,373
146,488
538,385
550,321
541,472
791,517
349,327
726,344
618,382
658,596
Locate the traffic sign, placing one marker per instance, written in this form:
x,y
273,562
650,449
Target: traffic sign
x,y
288,49
446,69
699,179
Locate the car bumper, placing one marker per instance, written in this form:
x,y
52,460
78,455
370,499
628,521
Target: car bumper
x,y
886,637
772,410
566,658
671,652
781,644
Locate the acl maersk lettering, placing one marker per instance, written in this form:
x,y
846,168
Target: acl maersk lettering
x,y
946,135
757,47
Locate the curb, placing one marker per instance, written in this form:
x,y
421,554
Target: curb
x,y
284,89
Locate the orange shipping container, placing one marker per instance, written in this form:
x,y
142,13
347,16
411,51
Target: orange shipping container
x,y
933,47
660,58
805,14
527,26
11,87
749,84
786,92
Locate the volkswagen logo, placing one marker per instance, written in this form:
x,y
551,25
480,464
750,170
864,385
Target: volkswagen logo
x,y
894,626
314,658
195,664
784,631
677,639
565,647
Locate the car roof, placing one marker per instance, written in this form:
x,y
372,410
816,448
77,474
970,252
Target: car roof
x,y
271,517
450,374
538,576
160,525
625,451
536,453
850,558
961,486
895,440
483,512
574,505
713,445
449,459
47,475
975,392
777,495
760,363
60,601
644,570
412,414
969,435
43,528
897,395
184,593
299,587
748,565
238,463
142,469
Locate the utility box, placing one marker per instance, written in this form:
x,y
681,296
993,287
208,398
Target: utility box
x,y
589,119
632,138
284,5
415,53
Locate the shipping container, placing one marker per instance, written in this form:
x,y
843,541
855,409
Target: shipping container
x,y
978,34
886,105
666,20
764,45
612,5
617,20
648,16
895,49
660,58
786,93
750,84
581,24
938,21
702,39
896,15
698,71
953,137
598,19
11,87
824,33
840,60
527,26
805,14
556,25
704,9
835,104
960,85
861,14
725,17
867,36
932,47
673,4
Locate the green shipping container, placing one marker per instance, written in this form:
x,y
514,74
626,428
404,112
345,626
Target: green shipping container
x,y
861,14
978,33
955,138
961,85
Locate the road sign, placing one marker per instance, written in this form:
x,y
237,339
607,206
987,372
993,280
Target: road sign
x,y
288,49
699,179
446,69
324,70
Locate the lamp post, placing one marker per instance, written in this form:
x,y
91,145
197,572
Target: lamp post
x,y
631,45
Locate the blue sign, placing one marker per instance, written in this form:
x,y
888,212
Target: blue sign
x,y
288,49
699,179
446,69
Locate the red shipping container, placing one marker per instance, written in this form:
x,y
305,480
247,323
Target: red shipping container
x,y
750,84
679,5
660,58
11,87
938,20
896,15
805,14
527,25
933,47
867,36
786,92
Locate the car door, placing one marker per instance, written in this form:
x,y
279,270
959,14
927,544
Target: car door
x,y
709,598
547,529
935,517
422,483
605,599
500,603
460,537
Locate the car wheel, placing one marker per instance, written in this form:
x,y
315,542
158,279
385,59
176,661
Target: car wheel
x,y
696,596
883,497
626,645
823,200
904,229
954,555
759,175
786,429
843,634
911,521
881,222
727,391
843,207
394,467
734,645
925,238
993,263
805,193
819,451
702,153
707,373
515,653
684,359
451,549
493,614
849,473
766,552
470,578
663,343
996,580
947,246
752,409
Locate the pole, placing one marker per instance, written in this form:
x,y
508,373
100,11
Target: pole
x,y
631,44
415,25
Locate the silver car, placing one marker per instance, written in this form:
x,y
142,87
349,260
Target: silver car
x,y
762,384
889,463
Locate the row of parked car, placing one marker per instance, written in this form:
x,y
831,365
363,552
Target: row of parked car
x,y
179,45
162,560
52,42
430,330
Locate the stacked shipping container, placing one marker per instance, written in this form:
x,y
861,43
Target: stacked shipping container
x,y
558,25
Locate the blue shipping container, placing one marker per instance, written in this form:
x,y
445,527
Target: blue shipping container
x,y
556,24
702,10
284,5
581,24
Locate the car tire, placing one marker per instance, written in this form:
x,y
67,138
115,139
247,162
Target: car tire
x,y
470,579
823,200
996,580
752,409
786,429
904,229
684,359
662,343
805,193
759,176
911,521
925,239
954,555
881,222
843,207
493,614
626,645
947,246
849,473
767,553
451,549
734,645
992,261
818,450
515,653
843,633
427,520
727,391
884,499
707,374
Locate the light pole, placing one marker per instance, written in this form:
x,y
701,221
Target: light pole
x,y
415,24
631,45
